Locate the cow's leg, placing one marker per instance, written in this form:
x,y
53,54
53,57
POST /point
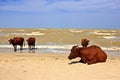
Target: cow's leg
x,y
81,61
92,61
21,47
15,47
34,46
29,47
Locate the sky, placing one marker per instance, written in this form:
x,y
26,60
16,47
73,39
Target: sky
x,y
102,14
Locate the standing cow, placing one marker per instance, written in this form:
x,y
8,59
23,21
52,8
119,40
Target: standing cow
x,y
89,55
31,42
84,42
17,41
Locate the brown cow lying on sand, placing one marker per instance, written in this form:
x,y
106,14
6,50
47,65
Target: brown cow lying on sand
x,y
31,42
89,55
17,41
84,42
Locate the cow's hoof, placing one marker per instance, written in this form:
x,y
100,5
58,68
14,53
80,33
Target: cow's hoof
x,y
81,61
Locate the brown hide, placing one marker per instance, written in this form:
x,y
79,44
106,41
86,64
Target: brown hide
x,y
31,42
89,55
84,42
17,41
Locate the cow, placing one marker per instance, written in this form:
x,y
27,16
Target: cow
x,y
31,42
89,55
17,41
84,42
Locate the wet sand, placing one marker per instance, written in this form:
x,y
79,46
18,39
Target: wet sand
x,y
51,66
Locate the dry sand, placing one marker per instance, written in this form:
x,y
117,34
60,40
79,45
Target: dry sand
x,y
25,66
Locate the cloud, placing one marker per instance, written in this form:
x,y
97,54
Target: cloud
x,y
58,5
23,5
85,5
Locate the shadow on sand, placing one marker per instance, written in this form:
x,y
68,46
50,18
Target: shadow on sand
x,y
74,62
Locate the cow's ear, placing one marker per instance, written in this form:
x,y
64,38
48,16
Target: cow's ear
x,y
77,46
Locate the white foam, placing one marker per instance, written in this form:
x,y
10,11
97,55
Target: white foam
x,y
43,46
55,46
18,33
111,48
109,37
35,33
29,34
59,47
103,34
75,31
6,46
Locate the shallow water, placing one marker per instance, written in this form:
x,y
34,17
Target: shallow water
x,y
100,37
36,50
60,40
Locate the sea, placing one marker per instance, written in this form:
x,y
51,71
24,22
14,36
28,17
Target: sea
x,y
51,40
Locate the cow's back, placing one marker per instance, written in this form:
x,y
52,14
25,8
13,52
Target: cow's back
x,y
101,56
18,40
31,41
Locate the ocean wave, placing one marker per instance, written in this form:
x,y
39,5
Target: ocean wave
x,y
35,33
28,34
111,48
109,37
15,33
103,33
42,46
75,31
51,47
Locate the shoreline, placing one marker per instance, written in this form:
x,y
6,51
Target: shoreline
x,y
59,47
50,50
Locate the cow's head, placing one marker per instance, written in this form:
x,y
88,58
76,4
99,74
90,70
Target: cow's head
x,y
11,41
74,52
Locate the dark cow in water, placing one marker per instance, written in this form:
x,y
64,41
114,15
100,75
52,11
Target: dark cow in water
x,y
89,55
17,41
31,43
84,42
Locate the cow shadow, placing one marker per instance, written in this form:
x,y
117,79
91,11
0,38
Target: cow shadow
x,y
32,50
20,50
75,62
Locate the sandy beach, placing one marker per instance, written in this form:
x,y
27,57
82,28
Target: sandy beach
x,y
31,66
